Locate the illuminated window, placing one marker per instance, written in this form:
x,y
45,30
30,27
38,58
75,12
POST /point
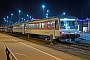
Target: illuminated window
x,y
53,24
37,25
56,24
48,24
31,25
42,25
27,25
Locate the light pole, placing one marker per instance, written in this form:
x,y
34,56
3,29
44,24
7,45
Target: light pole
x,y
15,22
28,17
4,21
22,19
7,20
11,18
47,14
4,18
19,16
43,10
64,13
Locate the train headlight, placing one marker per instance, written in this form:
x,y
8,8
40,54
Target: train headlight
x,y
75,32
62,32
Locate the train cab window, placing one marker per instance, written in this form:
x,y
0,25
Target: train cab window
x,y
48,24
42,25
68,24
62,23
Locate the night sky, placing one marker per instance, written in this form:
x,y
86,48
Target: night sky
x,y
34,8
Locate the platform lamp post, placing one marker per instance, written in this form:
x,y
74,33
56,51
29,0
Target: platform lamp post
x,y
22,19
28,17
19,16
43,6
47,13
7,20
11,18
64,13
4,21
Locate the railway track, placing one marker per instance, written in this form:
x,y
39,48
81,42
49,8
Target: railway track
x,y
71,50
81,46
80,50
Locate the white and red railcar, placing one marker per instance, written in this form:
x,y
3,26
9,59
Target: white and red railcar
x,y
19,28
6,29
64,26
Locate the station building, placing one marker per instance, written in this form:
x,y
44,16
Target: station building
x,y
84,25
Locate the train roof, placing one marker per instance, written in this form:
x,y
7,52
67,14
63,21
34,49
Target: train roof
x,y
50,18
43,20
46,18
67,16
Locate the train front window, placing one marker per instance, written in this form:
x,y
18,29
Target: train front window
x,y
68,25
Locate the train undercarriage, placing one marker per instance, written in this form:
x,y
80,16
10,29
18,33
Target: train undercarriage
x,y
49,39
63,38
68,37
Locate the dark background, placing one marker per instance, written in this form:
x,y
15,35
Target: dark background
x,y
34,8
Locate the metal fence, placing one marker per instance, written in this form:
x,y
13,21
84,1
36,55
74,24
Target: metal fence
x,y
9,54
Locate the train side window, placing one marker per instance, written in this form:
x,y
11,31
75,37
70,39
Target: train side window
x,y
48,25
36,25
29,25
39,25
56,24
42,25
33,26
53,24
